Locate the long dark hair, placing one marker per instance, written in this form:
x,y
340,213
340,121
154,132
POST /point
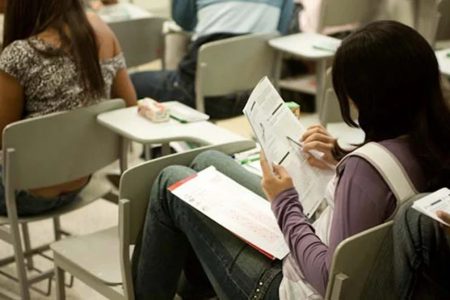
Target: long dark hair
x,y
391,74
26,18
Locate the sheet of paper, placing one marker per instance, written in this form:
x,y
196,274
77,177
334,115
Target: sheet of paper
x,y
274,124
430,204
236,208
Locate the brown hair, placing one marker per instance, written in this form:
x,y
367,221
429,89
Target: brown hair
x,y
391,74
26,18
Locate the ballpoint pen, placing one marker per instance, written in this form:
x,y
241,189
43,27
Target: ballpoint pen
x,y
316,154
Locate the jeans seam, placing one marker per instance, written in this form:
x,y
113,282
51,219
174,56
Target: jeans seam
x,y
220,257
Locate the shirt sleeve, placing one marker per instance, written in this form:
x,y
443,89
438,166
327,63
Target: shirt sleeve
x,y
362,200
118,62
287,11
184,13
14,61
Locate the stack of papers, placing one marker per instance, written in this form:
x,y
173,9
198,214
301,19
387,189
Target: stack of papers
x,y
429,205
277,130
234,207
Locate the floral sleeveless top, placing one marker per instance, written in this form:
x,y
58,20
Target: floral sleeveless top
x,y
51,83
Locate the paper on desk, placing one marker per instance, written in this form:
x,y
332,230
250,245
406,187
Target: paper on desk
x,y
430,204
273,122
236,208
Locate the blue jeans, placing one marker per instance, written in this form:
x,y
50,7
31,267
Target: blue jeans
x,y
30,205
176,238
167,86
162,86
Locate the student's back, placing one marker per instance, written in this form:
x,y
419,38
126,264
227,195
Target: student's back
x,y
57,59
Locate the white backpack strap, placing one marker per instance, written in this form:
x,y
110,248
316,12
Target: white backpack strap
x,y
389,168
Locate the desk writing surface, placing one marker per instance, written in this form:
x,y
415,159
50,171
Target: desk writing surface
x,y
122,12
128,123
302,45
444,61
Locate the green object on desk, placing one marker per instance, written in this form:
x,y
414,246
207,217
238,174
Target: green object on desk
x,y
249,159
292,105
448,54
179,120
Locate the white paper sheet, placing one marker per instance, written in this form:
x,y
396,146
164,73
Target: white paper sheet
x,y
430,204
236,208
273,123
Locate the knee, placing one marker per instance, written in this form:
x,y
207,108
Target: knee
x,y
208,158
173,174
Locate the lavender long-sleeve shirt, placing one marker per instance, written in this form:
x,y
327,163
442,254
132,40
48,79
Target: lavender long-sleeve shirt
x,y
362,200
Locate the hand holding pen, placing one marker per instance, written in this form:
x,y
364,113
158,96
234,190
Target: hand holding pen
x,y
317,138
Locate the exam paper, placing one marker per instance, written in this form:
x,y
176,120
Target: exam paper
x,y
273,124
430,204
236,208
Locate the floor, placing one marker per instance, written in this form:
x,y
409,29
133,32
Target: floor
x,y
103,214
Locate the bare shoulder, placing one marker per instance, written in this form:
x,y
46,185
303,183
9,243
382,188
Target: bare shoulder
x,y
105,36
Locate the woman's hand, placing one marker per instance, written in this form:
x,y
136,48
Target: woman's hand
x,y
273,183
446,218
317,138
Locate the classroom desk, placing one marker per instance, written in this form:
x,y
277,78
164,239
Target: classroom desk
x,y
122,12
307,46
127,123
444,61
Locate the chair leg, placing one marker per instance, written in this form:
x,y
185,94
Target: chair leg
x,y
27,245
57,228
60,288
20,262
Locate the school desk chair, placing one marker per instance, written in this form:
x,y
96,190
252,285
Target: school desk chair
x,y
331,112
362,264
232,65
47,151
141,39
102,259
316,47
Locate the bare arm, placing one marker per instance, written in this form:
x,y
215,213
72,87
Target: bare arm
x,y
11,101
122,86
110,47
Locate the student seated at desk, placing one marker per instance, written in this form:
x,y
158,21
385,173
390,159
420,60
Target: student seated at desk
x,y
56,58
210,21
390,74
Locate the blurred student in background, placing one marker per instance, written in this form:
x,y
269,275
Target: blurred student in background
x,y
210,21
56,58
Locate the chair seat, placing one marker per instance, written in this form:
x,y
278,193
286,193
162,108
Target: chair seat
x,y
97,188
97,254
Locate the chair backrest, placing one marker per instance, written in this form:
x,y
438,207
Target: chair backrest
x,y
351,261
233,65
141,39
59,147
331,112
343,12
136,183
427,17
134,192
362,264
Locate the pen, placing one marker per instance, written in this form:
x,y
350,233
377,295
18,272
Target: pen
x,y
178,119
295,142
314,153
323,48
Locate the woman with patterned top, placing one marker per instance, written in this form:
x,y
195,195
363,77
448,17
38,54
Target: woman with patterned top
x,y
55,58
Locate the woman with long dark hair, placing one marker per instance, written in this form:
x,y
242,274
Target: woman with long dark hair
x,y
55,57
390,74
